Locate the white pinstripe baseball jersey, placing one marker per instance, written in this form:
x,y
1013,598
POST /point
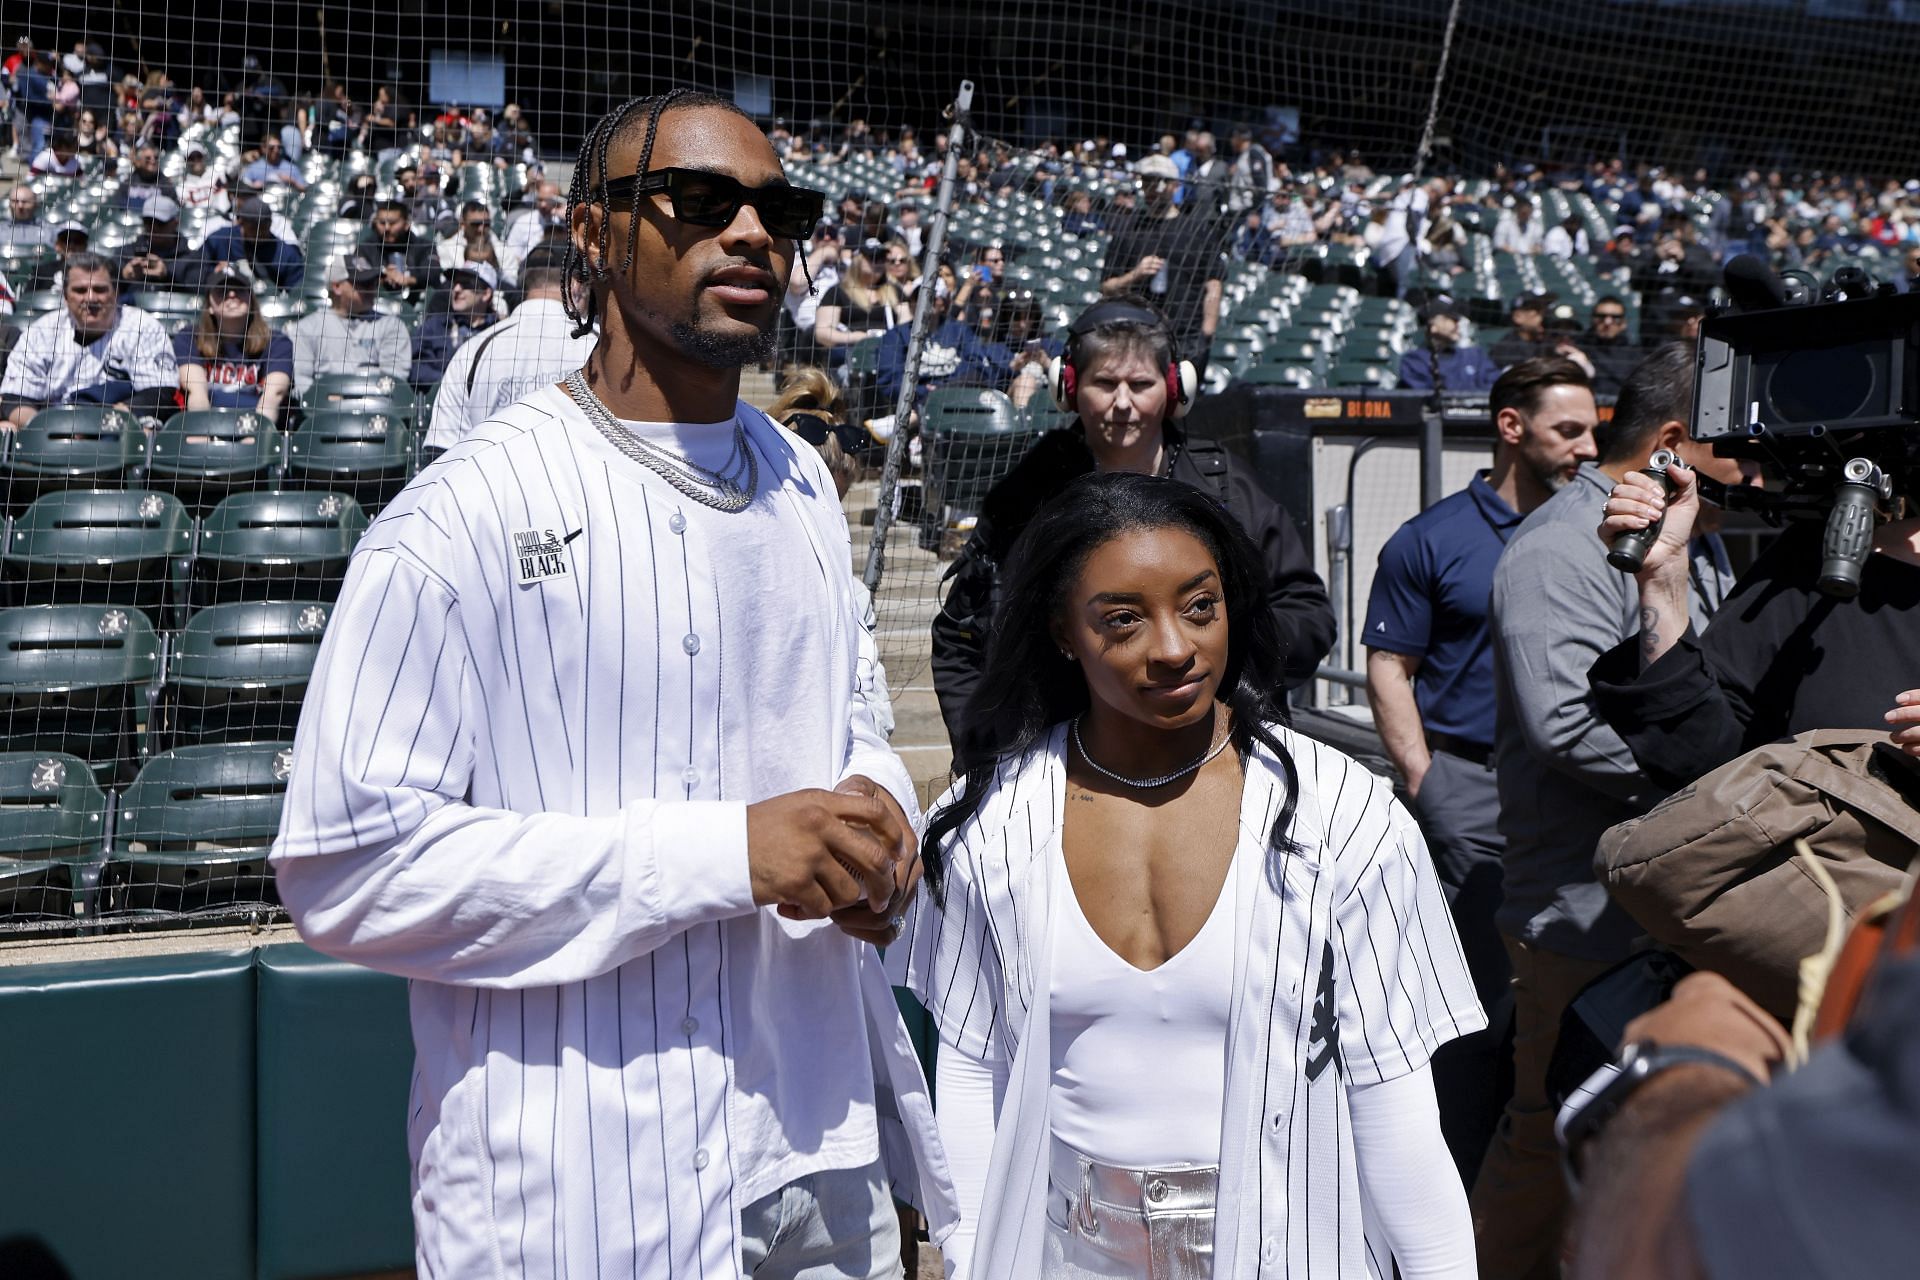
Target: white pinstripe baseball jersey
x,y
532,348
521,780
1347,972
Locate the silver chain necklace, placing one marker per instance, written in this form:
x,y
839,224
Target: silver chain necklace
x,y
1146,784
717,489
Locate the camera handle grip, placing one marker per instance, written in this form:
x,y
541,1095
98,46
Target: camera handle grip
x,y
1628,553
1848,539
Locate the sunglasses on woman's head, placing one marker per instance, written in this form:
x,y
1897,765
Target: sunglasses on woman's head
x,y
704,199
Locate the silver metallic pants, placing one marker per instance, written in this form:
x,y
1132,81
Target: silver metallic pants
x,y
1109,1223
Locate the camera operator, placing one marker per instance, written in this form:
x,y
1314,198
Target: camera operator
x,y
1779,657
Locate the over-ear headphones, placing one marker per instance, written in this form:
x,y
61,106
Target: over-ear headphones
x,y
1064,375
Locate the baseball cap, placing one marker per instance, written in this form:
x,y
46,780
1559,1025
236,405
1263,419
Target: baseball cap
x,y
228,276
354,267
1157,166
72,229
252,209
873,250
1441,306
159,209
481,271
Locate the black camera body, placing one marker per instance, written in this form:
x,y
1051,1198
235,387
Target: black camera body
x,y
1827,395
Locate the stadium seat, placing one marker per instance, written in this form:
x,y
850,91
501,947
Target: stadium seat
x,y
1358,374
236,673
98,546
369,455
75,678
275,544
1281,375
166,302
360,393
972,438
53,820
72,447
193,829
204,455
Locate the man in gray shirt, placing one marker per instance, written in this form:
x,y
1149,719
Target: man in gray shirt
x,y
1565,777
23,226
350,336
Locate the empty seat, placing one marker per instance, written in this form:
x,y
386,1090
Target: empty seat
x,y
366,455
72,447
52,824
75,678
237,672
275,544
972,438
1281,375
98,546
193,829
1356,374
204,455
360,392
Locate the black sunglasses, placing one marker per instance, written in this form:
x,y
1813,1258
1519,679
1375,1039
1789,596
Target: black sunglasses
x,y
814,428
706,199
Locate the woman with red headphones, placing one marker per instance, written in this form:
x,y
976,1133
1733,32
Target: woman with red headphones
x,y
1119,377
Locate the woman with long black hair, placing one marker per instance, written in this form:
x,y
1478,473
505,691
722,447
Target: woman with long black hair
x,y
1188,967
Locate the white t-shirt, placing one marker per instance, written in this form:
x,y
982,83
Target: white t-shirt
x,y
204,190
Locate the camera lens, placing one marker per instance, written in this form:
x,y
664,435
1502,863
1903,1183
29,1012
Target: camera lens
x,y
1828,385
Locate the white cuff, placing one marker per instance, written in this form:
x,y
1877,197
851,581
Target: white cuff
x,y
699,852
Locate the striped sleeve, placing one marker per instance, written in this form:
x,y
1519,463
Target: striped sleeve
x,y
1400,982
954,963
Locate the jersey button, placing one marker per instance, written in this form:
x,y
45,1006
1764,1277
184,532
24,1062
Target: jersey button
x,y
691,643
689,1025
691,777
700,1158
677,522
1269,1250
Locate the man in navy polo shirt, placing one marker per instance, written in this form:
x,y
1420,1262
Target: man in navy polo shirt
x,y
1430,681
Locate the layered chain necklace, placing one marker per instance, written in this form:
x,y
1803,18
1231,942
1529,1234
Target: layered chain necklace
x,y
722,490
1146,784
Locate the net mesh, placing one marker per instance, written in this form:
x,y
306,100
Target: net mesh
x,y
178,526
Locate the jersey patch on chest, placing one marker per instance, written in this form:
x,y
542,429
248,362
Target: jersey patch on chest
x,y
540,554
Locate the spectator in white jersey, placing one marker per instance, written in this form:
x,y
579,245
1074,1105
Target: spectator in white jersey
x,y
95,351
349,336
531,349
545,220
1164,971
475,244
634,889
201,187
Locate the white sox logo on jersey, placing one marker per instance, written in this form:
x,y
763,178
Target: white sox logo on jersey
x,y
539,554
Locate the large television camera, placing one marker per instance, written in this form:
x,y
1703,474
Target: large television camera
x,y
1824,388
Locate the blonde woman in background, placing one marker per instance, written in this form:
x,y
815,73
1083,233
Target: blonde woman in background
x,y
865,303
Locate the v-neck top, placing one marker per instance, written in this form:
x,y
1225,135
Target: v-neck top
x,y
1122,1035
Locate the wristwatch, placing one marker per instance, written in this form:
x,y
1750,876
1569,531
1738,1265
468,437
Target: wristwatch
x,y
1600,1098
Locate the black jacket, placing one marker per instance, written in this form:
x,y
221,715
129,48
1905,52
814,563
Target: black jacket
x,y
1778,659
1296,595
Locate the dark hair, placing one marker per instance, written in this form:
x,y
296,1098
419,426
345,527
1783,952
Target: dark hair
x,y
390,205
1026,686
472,206
590,177
88,261
1605,298
1521,386
1658,391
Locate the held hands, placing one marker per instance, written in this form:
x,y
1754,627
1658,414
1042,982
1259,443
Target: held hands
x,y
1637,502
847,854
1904,720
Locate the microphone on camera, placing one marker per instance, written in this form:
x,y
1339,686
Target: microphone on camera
x,y
1753,286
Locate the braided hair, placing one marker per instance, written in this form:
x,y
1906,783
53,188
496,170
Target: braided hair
x,y
589,188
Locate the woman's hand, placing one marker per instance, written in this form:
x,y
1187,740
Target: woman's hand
x,y
1904,720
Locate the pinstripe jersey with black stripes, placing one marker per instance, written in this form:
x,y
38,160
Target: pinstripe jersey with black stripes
x,y
520,780
1347,971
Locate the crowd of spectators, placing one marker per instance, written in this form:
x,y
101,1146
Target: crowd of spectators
x,y
213,223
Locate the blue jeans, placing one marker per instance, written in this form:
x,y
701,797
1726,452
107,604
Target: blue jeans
x,y
838,1224
37,131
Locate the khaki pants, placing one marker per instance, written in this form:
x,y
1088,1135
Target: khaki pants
x,y
1520,1201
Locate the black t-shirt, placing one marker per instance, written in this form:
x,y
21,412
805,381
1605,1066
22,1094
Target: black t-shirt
x,y
855,318
1194,249
1779,658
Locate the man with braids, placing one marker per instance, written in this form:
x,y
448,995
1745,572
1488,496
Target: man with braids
x,y
588,761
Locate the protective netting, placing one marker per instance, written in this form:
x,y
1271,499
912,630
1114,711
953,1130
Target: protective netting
x,y
1290,183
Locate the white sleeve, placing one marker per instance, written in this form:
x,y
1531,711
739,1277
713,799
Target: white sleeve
x,y
449,424
1408,1177
1400,981
382,861
969,1093
29,371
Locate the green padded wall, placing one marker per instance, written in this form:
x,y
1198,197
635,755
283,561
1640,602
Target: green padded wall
x,y
335,1060
126,1101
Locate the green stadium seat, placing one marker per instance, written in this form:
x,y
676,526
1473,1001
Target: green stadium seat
x,y
369,455
53,821
1281,375
972,438
168,302
204,455
237,672
193,829
275,545
75,678
98,546
72,447
1357,374
360,393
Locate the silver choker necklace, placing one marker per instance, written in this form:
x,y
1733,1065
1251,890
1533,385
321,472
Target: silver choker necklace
x,y
1146,784
720,490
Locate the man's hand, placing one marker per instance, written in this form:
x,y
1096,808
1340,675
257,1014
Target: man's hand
x,y
1709,1012
861,920
1905,722
1637,502
1148,267
811,853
